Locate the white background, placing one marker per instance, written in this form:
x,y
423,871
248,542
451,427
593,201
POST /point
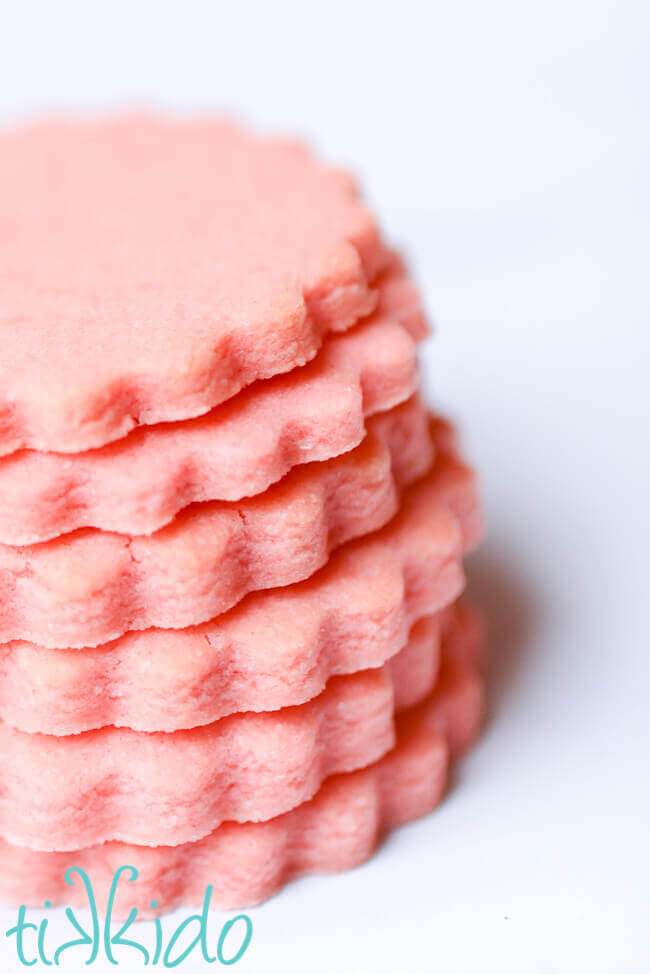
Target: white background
x,y
506,146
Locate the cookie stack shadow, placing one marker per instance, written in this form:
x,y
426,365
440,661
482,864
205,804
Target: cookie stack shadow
x,y
232,650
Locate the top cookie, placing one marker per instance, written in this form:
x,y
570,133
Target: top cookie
x,y
150,269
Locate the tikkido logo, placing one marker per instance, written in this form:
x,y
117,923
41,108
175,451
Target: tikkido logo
x,y
31,939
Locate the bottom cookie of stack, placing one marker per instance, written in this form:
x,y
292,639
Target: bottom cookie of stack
x,y
337,829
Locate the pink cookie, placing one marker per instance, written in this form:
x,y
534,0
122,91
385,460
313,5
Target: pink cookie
x,y
152,268
465,641
137,485
90,587
275,649
157,788
456,482
399,299
246,863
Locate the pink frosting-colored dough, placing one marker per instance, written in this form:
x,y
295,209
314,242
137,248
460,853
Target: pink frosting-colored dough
x,y
151,268
337,829
265,742
90,587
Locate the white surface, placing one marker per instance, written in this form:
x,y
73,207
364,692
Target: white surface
x,y
506,145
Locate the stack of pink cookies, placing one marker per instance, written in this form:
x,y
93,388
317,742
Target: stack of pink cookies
x,y
231,534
